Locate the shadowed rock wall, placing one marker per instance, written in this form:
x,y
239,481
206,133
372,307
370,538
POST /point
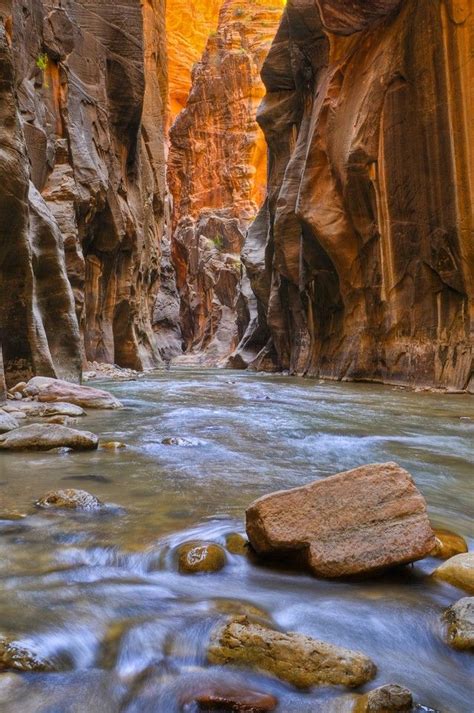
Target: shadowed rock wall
x,y
361,258
82,189
217,176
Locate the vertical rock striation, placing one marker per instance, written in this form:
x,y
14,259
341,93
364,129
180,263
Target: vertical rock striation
x,y
361,258
82,189
217,175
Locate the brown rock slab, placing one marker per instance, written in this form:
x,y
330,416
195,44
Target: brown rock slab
x,y
236,702
458,571
295,658
51,390
460,619
448,544
69,499
195,557
46,436
356,522
15,657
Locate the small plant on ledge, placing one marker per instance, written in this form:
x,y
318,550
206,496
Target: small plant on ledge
x,y
42,62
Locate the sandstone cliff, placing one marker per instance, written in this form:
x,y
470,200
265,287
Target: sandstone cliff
x,y
362,256
82,190
217,175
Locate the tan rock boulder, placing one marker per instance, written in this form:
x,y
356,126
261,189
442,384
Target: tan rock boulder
x,y
69,499
52,390
295,658
33,409
45,437
357,522
458,571
387,699
460,619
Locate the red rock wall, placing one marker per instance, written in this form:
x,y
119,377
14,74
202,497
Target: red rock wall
x,y
217,175
82,184
362,256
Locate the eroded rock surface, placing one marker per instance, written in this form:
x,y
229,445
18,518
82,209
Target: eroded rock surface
x,y
295,658
217,176
361,258
46,436
458,571
69,499
83,95
48,390
460,619
357,522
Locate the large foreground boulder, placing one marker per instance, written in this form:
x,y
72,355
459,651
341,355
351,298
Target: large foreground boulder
x,y
352,523
45,437
295,658
50,390
458,571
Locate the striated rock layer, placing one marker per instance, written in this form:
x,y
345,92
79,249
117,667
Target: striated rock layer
x,y
361,258
82,183
217,175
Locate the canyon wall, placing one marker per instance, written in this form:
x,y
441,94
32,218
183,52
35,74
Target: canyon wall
x,y
82,185
217,177
361,258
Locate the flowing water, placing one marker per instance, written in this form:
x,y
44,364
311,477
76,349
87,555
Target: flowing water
x,y
101,595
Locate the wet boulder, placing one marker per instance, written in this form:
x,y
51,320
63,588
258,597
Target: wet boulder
x,y
200,557
295,658
388,699
236,544
48,390
180,442
357,522
458,571
448,544
16,657
112,445
460,621
7,422
69,499
46,436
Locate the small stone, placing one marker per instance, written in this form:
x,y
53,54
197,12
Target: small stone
x,y
17,396
19,388
236,702
389,699
236,544
448,544
460,618
194,557
113,445
14,657
300,660
458,571
69,499
61,420
178,441
7,422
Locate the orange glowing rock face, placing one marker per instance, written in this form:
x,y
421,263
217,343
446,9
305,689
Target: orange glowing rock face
x,y
189,24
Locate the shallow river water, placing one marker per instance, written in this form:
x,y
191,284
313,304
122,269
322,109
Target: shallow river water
x,y
101,595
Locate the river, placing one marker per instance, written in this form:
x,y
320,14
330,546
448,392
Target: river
x,y
101,594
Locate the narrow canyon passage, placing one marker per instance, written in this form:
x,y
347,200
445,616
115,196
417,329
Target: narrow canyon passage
x,y
236,356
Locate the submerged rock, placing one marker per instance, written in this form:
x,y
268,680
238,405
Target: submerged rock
x,y
357,522
295,658
458,571
236,544
112,445
51,390
45,437
235,701
448,544
15,657
178,441
69,499
194,557
460,618
7,422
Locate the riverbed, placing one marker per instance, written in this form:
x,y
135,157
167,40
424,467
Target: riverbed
x,y
101,594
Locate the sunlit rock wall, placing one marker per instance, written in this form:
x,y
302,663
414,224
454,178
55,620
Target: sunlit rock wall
x,y
217,176
82,183
362,255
